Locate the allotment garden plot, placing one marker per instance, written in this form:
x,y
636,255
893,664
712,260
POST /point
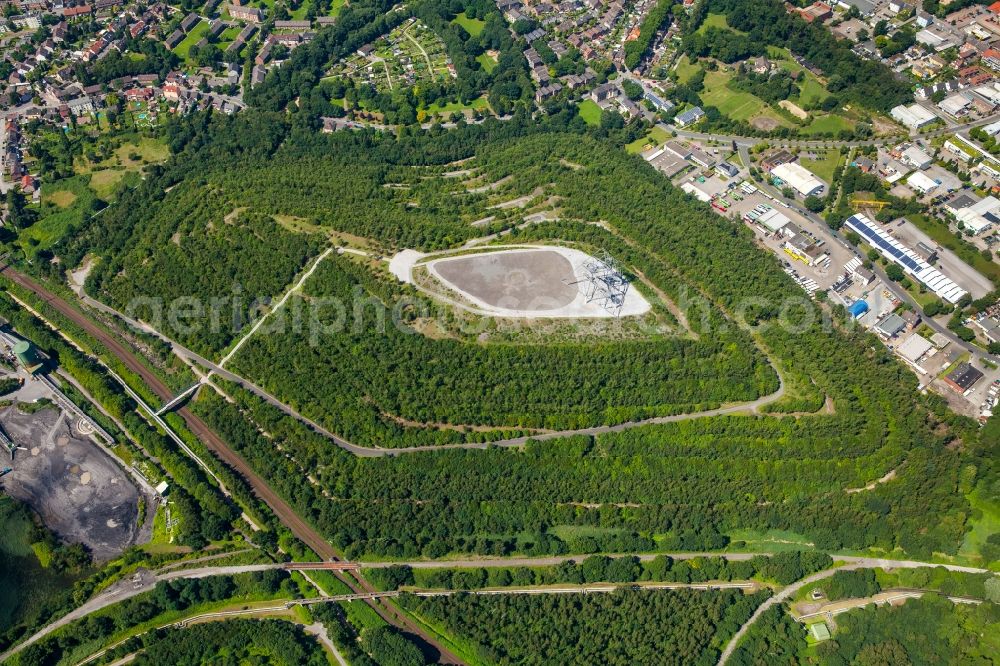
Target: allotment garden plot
x,y
409,54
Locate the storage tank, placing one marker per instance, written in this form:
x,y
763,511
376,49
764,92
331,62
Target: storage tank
x,y
26,354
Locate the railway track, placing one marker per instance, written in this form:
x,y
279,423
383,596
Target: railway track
x,y
284,512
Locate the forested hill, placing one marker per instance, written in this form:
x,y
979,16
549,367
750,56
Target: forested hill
x,y
853,79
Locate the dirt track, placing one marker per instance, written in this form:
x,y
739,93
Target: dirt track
x,y
299,527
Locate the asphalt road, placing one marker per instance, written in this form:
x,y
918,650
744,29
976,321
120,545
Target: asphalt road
x,y
832,236
819,143
374,452
852,563
126,589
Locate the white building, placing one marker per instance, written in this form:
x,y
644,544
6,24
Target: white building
x,y
992,129
956,105
773,221
980,216
957,150
701,196
917,158
921,182
989,92
799,178
914,348
914,116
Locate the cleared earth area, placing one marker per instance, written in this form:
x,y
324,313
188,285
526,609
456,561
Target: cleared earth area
x,y
526,282
78,490
520,280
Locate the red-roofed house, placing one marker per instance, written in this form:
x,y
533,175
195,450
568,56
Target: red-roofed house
x,y
995,7
991,58
72,12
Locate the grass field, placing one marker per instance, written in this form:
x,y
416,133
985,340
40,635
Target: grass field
x,y
471,25
656,136
64,204
478,104
717,21
685,69
58,198
811,91
825,165
770,540
105,181
488,63
183,49
131,156
590,112
988,523
828,123
731,103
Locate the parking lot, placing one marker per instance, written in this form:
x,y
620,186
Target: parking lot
x,y
824,272
948,262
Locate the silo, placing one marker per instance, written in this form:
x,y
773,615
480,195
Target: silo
x,y
26,354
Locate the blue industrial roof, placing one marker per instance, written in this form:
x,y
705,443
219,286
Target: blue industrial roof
x,y
858,308
878,240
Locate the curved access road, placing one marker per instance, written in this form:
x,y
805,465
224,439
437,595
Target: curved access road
x,y
362,451
851,563
282,510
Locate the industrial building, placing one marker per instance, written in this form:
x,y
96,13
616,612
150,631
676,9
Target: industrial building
x,y
914,348
963,378
956,105
858,309
976,216
916,158
913,116
773,220
907,259
890,326
921,182
799,179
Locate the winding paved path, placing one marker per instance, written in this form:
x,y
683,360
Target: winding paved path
x,y
851,563
361,451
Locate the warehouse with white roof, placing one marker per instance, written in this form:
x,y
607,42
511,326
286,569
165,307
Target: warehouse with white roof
x,y
799,178
913,116
773,220
980,216
907,259
921,182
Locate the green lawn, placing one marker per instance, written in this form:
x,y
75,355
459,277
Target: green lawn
x,y
488,63
731,103
988,523
828,123
471,25
300,13
65,204
717,21
655,137
589,111
478,104
770,540
686,69
825,165
183,49
811,91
